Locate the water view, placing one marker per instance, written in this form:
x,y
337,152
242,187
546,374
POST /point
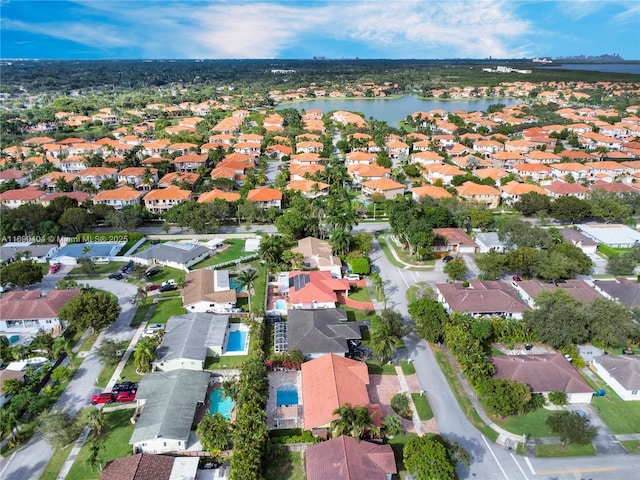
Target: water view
x,y
633,68
392,110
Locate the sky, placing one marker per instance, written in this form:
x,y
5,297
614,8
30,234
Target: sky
x,y
292,29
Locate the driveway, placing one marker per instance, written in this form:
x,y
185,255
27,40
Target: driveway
x,y
29,461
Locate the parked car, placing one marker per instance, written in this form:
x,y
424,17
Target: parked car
x,y
152,286
124,268
152,271
116,276
167,287
126,396
154,328
447,258
124,387
102,398
582,414
515,278
54,267
352,277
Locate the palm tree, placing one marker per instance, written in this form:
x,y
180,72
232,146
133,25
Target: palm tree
x,y
384,341
340,241
354,421
144,354
246,279
61,344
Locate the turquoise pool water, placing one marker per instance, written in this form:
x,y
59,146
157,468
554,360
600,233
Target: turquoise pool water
x,y
237,340
236,286
280,304
219,404
13,339
286,394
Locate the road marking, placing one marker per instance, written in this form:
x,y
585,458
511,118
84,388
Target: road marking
x,y
494,457
403,279
519,467
578,470
528,462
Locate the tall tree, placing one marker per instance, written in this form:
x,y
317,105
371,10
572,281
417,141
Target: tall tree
x,y
246,279
429,316
387,331
355,421
93,309
21,274
144,354
428,459
215,433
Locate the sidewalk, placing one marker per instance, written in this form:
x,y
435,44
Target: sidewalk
x,y
66,467
406,266
417,423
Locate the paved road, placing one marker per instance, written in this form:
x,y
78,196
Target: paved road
x,y
29,461
489,461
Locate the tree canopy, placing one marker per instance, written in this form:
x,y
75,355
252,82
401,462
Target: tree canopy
x,y
21,274
91,309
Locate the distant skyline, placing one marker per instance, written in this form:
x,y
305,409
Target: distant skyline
x,y
390,29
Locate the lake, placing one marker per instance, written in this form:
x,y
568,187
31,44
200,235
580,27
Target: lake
x,y
392,110
633,68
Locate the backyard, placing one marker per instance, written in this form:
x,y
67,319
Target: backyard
x,y
285,466
233,250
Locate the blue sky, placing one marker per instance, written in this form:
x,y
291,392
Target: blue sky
x,y
425,29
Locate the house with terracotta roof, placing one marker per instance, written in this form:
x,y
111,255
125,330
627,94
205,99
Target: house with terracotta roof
x,y
345,458
70,164
97,175
178,178
144,466
309,188
532,171
487,147
20,176
576,156
621,373
314,289
528,290
309,147
328,382
453,240
481,298
541,157
544,373
120,197
208,291
217,194
265,197
441,172
32,311
387,187
364,173
318,254
248,148
558,188
359,158
511,192
429,191
506,160
278,151
20,196
494,174
142,178
606,170
482,194
302,172
190,162
159,201
79,197
307,158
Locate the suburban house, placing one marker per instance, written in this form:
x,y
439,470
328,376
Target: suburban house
x,y
314,289
429,191
513,191
144,466
20,196
528,290
309,188
453,240
178,178
7,374
481,298
578,239
189,339
532,171
20,176
119,198
488,241
363,173
559,188
482,194
32,311
190,162
328,382
166,406
139,177
265,197
318,254
387,187
620,372
345,458
321,331
97,175
217,194
611,234
159,201
619,289
173,254
544,374
208,291
39,253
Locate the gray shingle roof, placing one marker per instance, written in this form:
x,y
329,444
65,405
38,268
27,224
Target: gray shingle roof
x,y
320,331
171,400
625,369
188,336
172,252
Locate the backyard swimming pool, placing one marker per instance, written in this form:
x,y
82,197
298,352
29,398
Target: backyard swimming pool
x,y
224,406
236,286
286,394
237,342
280,304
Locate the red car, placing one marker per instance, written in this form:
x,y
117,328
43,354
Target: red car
x,y
102,398
124,397
54,267
152,286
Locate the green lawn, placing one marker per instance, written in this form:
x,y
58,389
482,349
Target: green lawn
x,y
107,371
129,371
141,312
533,424
422,406
116,445
611,251
460,394
285,466
376,369
633,446
407,367
165,309
495,352
359,294
385,248
571,450
232,251
168,273
229,361
355,314
621,417
55,464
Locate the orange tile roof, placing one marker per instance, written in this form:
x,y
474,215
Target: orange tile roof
x,y
517,188
21,194
125,193
191,158
494,173
172,192
216,194
306,185
472,189
189,177
97,171
431,191
264,194
570,167
329,382
383,184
